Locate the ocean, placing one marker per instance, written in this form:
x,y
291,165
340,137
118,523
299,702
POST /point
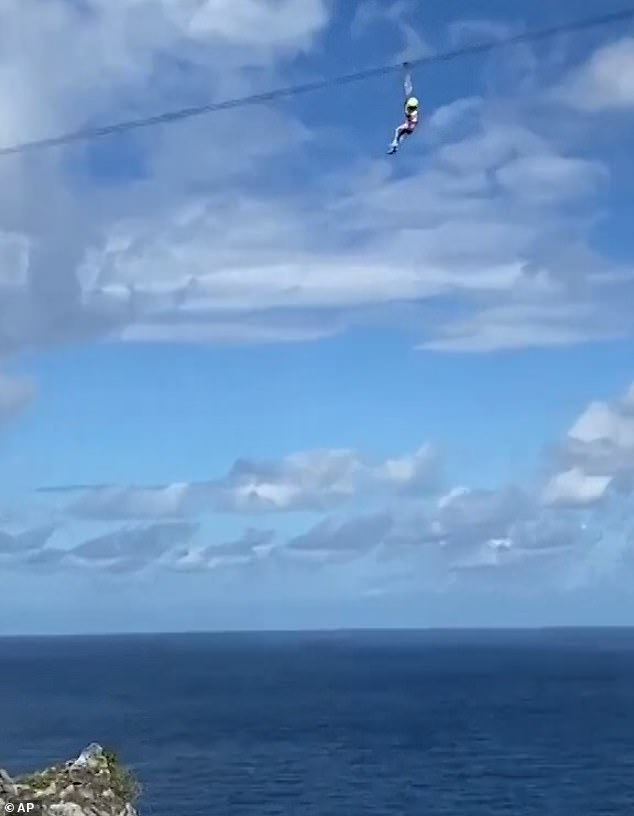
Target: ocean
x,y
337,724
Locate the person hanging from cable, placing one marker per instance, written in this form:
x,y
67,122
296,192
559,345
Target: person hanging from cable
x,y
411,114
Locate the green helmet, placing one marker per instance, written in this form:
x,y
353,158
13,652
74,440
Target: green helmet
x,y
412,103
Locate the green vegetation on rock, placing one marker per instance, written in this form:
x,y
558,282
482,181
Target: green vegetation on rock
x,y
124,783
94,784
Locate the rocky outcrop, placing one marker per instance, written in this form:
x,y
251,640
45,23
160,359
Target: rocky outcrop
x,y
94,784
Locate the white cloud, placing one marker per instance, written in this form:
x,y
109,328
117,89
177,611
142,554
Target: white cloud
x,y
447,116
467,518
466,534
318,479
575,488
613,424
107,53
138,503
478,30
305,481
170,546
251,546
250,331
414,473
19,544
130,549
15,394
333,540
550,177
119,60
286,24
473,222
389,15
593,466
529,322
604,83
601,441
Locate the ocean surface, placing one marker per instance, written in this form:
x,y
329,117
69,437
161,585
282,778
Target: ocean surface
x,y
339,724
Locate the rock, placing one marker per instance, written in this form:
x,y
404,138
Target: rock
x,y
94,784
67,809
6,784
90,757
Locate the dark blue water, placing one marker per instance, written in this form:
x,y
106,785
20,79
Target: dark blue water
x,y
337,725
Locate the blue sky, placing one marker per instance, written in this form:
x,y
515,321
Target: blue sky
x,y
277,378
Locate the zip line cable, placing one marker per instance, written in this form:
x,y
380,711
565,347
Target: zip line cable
x,y
346,79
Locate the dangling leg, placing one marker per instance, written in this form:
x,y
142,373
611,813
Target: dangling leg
x,y
400,132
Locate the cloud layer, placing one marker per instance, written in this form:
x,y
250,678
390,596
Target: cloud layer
x,y
205,238
379,519
306,481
